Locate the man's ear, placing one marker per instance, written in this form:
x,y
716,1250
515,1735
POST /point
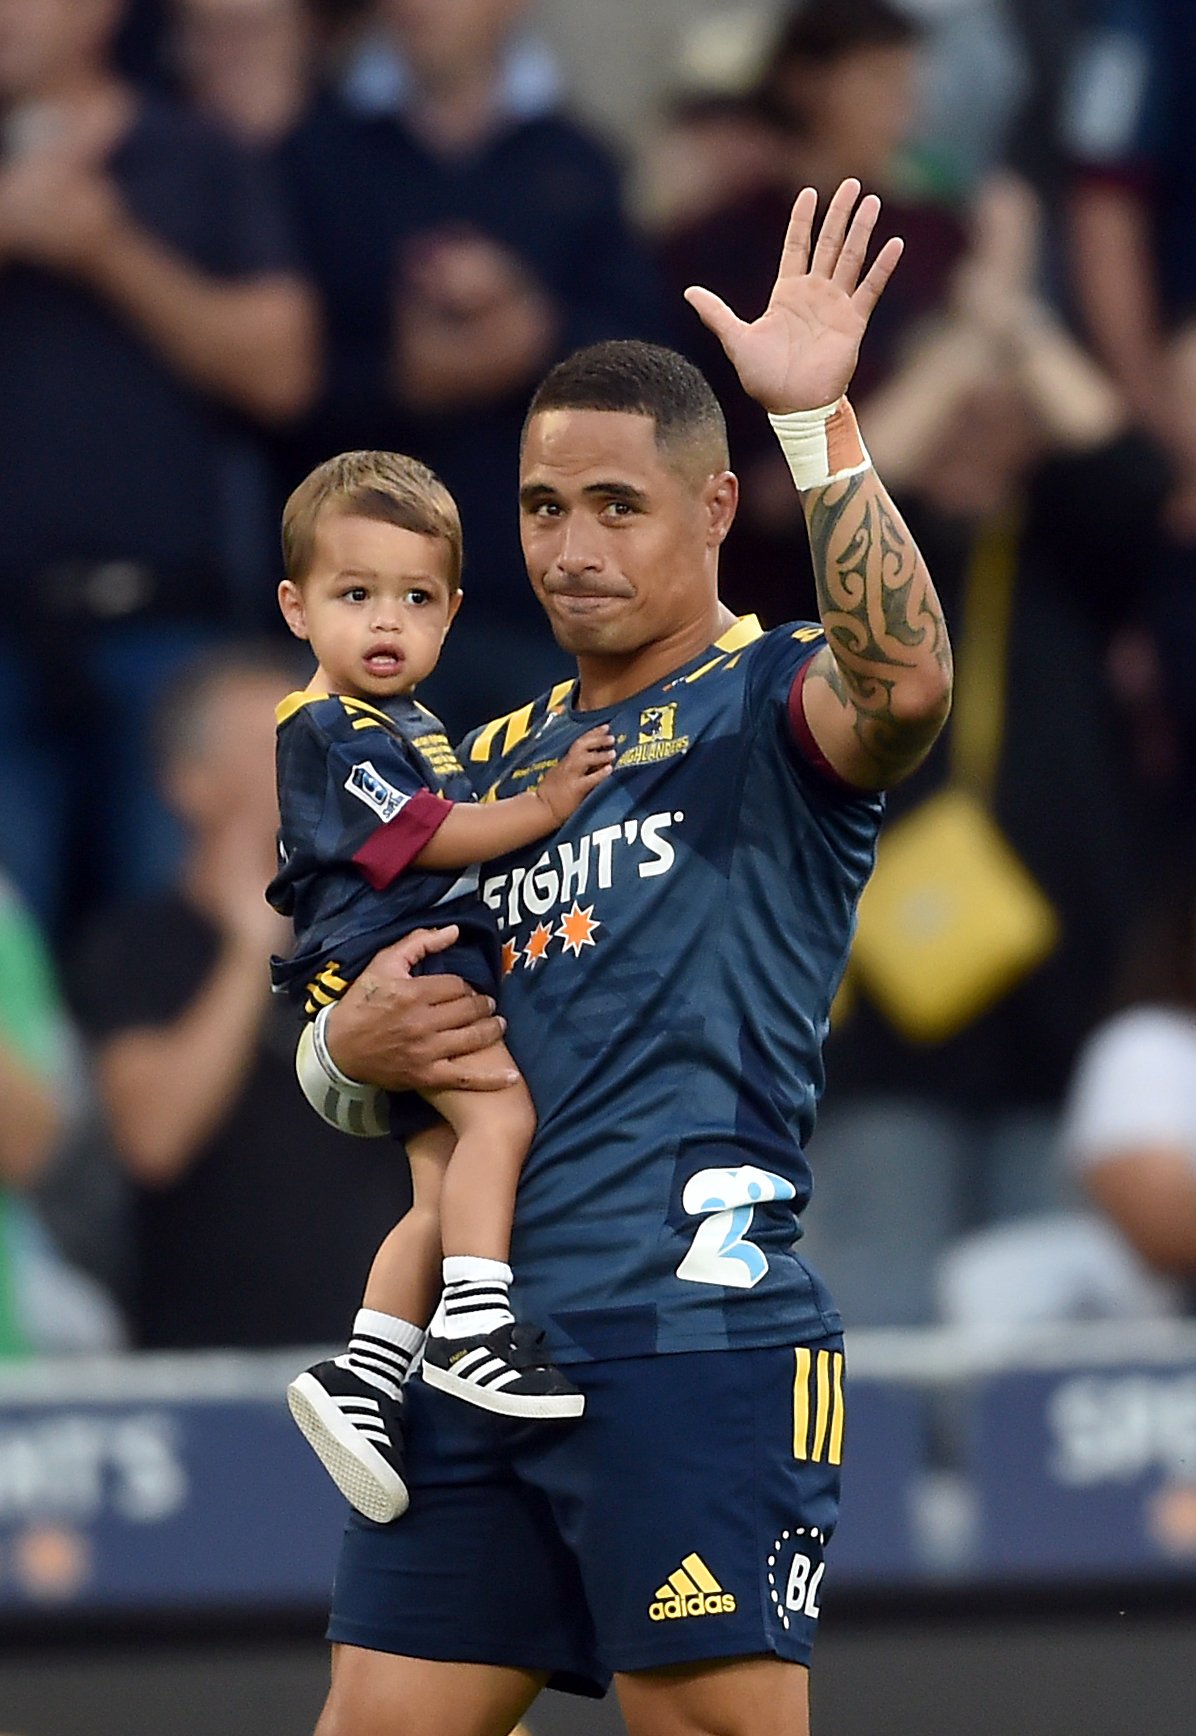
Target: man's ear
x,y
720,497
290,601
454,605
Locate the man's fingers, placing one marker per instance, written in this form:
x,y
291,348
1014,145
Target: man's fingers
x,y
485,1034
714,313
457,1011
795,254
471,1075
403,955
834,228
855,248
883,267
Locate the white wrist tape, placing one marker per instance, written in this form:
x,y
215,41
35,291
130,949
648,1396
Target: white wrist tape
x,y
344,1103
821,446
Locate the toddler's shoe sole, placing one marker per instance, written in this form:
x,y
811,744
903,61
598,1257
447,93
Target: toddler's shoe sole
x,y
371,1486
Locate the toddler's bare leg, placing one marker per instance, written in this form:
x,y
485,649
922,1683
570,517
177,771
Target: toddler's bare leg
x,y
404,1279
494,1130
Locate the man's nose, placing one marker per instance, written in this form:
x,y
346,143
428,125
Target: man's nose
x,y
578,552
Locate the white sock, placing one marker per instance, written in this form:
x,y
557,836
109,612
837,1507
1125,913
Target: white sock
x,y
381,1350
475,1297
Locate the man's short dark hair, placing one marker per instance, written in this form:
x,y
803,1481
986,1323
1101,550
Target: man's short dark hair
x,y
625,375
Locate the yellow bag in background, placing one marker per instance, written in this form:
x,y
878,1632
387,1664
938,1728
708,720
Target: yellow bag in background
x,y
951,919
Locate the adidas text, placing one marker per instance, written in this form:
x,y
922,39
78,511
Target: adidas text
x,y
700,1603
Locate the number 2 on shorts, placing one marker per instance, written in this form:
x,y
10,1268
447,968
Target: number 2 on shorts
x,y
719,1253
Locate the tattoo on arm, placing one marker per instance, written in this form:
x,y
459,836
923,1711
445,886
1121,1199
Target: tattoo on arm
x,y
883,622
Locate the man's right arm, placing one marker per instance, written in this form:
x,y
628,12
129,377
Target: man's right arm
x,y
417,1033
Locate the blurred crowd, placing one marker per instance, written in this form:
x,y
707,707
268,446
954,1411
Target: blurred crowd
x,y
237,236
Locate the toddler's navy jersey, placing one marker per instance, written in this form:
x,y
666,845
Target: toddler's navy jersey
x,y
670,957
361,790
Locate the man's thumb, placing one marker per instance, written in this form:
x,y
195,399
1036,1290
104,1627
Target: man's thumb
x,y
403,955
714,313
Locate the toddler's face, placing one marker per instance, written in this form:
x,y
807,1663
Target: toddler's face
x,y
375,605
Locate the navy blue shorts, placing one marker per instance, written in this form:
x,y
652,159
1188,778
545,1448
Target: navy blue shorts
x,y
682,1518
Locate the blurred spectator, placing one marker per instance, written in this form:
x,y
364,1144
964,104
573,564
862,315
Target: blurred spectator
x,y
465,233
252,1223
1131,132
1129,1131
44,1304
714,143
1007,450
248,64
841,88
150,312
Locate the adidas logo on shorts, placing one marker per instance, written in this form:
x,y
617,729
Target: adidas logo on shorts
x,y
692,1590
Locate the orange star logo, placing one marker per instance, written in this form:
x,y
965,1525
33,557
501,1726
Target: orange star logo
x,y
537,944
510,952
578,928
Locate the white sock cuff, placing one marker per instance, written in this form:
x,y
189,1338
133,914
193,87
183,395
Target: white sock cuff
x,y
372,1323
472,1269
821,446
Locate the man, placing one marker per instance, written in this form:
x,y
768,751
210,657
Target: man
x,y
465,232
152,316
244,1230
672,955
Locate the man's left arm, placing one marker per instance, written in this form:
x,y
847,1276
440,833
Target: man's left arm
x,y
877,695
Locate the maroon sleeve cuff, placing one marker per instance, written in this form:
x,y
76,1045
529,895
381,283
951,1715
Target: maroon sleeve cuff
x,y
392,847
802,735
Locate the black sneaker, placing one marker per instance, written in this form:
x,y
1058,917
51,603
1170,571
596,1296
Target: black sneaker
x,y
356,1432
506,1371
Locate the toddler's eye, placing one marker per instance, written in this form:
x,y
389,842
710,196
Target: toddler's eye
x,y
418,596
355,594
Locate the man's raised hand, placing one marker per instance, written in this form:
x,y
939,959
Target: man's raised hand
x,y
801,353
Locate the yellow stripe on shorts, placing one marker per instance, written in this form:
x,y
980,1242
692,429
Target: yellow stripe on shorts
x,y
818,1409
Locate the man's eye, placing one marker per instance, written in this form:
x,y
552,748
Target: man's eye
x,y
619,509
547,509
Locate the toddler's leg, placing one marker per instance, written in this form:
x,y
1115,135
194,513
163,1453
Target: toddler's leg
x,y
350,1408
474,1348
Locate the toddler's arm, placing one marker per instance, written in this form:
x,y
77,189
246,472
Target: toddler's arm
x,y
478,832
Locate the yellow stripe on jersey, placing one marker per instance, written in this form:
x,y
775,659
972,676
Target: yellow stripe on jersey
x,y
484,740
561,692
807,635
352,705
518,726
367,723
295,702
740,633
818,1401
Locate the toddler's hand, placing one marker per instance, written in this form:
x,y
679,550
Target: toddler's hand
x,y
566,785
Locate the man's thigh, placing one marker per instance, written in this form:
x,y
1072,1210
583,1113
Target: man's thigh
x,y
381,1694
475,1572
736,1697
697,1496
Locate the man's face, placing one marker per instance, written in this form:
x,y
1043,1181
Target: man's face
x,y
375,604
41,40
618,542
442,39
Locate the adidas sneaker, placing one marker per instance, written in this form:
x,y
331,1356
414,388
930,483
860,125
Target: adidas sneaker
x,y
506,1371
356,1432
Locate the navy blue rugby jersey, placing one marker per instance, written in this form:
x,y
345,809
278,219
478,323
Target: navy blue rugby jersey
x,y
670,957
361,790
